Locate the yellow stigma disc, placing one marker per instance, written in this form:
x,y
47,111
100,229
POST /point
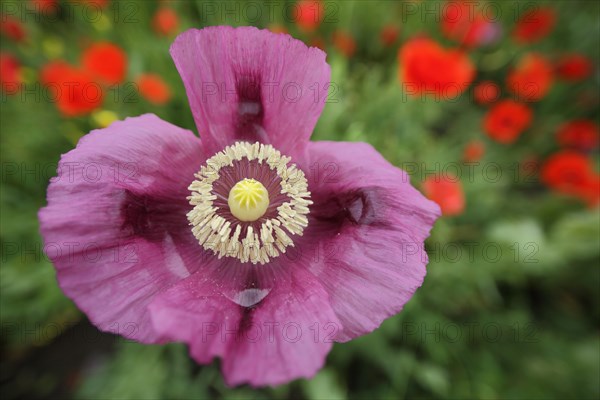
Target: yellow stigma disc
x,y
248,200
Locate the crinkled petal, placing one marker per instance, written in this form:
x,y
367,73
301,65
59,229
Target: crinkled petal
x,y
115,225
253,85
365,234
270,324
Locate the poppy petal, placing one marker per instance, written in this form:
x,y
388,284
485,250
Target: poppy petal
x,y
369,225
265,336
253,85
115,226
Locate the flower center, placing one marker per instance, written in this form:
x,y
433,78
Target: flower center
x,y
248,200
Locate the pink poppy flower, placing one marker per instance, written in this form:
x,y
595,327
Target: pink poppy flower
x,y
250,243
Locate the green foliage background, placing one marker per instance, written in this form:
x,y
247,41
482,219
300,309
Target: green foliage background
x,y
522,323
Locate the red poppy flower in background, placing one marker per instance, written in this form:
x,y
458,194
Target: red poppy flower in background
x,y
447,192
574,67
309,14
572,173
106,62
73,90
165,22
426,67
486,92
53,72
579,134
534,25
153,88
344,43
9,73
531,78
474,151
466,25
389,35
506,120
12,28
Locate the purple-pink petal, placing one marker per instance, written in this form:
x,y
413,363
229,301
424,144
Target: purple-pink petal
x,y
280,327
115,225
366,232
253,85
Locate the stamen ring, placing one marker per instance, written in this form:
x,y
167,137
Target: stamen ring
x,y
265,237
